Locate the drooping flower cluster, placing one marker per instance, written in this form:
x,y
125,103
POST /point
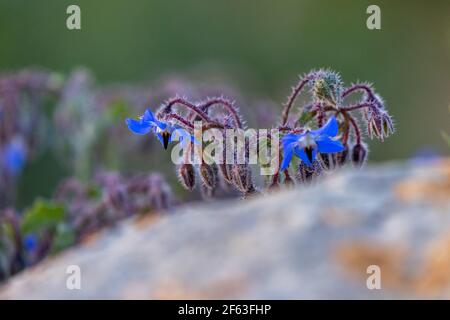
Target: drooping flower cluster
x,y
325,134
169,120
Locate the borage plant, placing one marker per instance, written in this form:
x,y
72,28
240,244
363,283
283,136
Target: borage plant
x,y
325,134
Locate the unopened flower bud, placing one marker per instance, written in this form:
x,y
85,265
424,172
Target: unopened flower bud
x,y
225,172
387,124
186,175
374,123
359,154
328,161
208,174
379,123
242,177
342,156
327,86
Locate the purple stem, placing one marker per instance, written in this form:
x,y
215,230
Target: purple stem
x,y
185,103
360,86
295,92
180,119
227,104
359,106
355,127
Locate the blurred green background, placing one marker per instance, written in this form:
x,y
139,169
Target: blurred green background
x,y
258,47
260,44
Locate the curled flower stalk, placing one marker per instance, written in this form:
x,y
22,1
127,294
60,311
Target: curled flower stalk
x,y
324,134
320,146
170,120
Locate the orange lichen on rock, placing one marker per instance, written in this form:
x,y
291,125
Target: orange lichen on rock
x,y
144,220
356,257
220,289
434,187
91,238
435,278
430,279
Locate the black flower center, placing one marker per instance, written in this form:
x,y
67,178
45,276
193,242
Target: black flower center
x,y
309,153
165,136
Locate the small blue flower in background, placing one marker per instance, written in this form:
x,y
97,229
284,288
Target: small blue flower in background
x,y
306,145
30,242
165,132
14,156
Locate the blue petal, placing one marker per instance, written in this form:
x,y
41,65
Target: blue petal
x,y
138,127
288,151
331,128
148,116
299,152
327,145
291,137
161,125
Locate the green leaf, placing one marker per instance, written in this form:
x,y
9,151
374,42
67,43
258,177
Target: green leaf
x,y
43,215
64,237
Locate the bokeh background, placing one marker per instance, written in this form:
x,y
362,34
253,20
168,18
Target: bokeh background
x,y
258,46
69,167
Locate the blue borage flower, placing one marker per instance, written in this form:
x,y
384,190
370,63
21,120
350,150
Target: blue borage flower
x,y
14,156
165,132
30,242
306,145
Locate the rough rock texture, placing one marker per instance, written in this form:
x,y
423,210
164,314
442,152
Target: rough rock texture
x,y
310,242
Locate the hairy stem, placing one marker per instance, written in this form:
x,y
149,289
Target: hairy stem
x,y
180,119
213,125
274,180
346,132
228,105
295,92
358,87
320,118
359,106
168,108
354,125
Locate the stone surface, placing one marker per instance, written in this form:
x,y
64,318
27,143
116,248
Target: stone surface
x,y
309,242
